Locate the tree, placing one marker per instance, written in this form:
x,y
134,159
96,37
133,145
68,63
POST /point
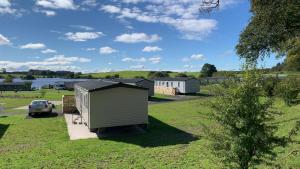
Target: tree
x,y
181,75
273,28
28,77
208,70
8,79
293,57
242,136
288,90
154,74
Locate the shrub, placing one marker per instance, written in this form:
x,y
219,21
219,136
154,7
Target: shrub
x,y
242,136
153,74
268,86
288,89
181,75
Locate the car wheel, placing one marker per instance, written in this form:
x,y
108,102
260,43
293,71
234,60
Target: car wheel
x,y
30,114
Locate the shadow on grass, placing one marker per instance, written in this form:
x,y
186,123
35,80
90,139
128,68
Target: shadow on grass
x,y
158,134
159,100
44,115
198,94
3,128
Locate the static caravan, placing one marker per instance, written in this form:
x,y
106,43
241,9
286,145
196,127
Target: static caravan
x,y
182,85
145,83
105,104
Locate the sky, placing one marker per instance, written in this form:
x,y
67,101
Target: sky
x,y
114,35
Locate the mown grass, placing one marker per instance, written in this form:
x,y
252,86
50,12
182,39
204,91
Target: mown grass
x,y
176,139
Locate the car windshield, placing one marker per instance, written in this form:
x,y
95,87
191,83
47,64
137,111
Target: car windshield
x,y
38,102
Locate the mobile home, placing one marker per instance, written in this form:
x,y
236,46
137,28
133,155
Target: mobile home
x,y
182,85
105,103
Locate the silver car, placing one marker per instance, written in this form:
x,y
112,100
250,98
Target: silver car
x,y
40,106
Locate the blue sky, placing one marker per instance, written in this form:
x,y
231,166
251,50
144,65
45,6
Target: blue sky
x,y
113,35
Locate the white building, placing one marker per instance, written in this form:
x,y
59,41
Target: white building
x,y
182,85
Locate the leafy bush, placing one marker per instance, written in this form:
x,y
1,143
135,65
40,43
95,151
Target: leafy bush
x,y
242,136
154,74
268,86
288,89
181,75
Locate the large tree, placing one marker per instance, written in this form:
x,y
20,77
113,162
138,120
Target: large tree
x,y
273,28
208,70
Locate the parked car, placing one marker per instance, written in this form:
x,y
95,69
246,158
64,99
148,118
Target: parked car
x,y
40,106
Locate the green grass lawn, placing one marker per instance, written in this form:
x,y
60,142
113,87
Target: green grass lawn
x,y
176,139
12,100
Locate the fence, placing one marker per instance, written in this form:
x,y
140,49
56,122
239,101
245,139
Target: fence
x,y
68,104
165,90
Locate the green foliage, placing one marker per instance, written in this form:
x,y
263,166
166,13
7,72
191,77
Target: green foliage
x,y
244,136
181,75
293,57
269,85
28,77
43,93
208,70
154,74
139,77
273,27
288,89
8,79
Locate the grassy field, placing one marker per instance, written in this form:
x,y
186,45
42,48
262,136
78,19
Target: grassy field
x,y
11,100
176,139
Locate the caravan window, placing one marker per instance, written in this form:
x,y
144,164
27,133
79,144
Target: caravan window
x,y
178,84
171,84
167,84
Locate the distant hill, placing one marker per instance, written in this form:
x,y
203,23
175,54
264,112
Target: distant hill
x,y
132,74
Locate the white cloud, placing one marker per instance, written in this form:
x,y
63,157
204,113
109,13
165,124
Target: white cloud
x,y
152,49
4,40
82,27
91,3
197,57
137,37
57,62
137,67
46,51
90,49
155,59
194,57
5,7
48,12
188,66
66,60
5,3
129,59
57,4
111,9
83,36
132,1
107,50
183,15
33,46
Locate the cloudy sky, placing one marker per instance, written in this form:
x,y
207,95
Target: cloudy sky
x,y
113,35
